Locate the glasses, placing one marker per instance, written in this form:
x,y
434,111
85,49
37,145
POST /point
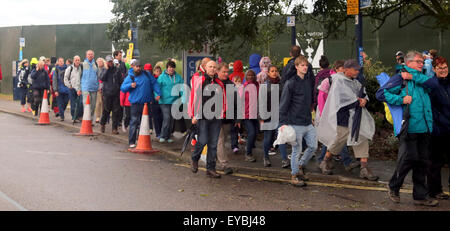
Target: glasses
x,y
442,68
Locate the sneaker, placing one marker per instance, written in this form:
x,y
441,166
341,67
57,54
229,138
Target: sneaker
x,y
440,196
296,182
162,140
352,165
267,162
301,173
169,141
97,120
366,173
29,110
272,152
427,202
124,129
132,145
115,132
235,150
394,196
249,158
285,164
24,110
325,167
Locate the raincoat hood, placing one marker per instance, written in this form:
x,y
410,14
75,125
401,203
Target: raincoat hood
x,y
34,61
237,71
264,64
254,63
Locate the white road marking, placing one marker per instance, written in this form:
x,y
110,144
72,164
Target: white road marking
x,y
49,153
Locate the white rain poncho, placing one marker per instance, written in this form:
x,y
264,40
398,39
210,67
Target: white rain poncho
x,y
343,92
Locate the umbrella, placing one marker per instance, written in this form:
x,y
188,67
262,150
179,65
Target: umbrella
x,y
396,110
357,117
189,136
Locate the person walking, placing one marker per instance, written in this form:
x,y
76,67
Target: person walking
x,y
295,111
208,128
72,79
167,81
227,124
249,93
102,67
142,89
41,83
61,91
90,81
22,84
269,135
338,117
155,108
112,81
323,89
414,149
440,104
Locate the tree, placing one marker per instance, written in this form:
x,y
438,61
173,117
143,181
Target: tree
x,y
190,24
333,14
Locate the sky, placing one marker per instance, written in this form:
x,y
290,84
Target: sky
x,y
51,12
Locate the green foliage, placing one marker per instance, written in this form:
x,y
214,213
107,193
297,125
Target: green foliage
x,y
371,70
190,24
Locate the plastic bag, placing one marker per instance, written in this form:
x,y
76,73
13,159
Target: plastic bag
x,y
286,134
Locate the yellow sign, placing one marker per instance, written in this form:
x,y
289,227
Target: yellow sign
x,y
130,52
352,7
129,34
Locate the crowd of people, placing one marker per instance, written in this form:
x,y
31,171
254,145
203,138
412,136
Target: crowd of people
x,y
224,101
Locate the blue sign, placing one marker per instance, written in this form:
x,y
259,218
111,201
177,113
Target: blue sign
x,y
361,58
365,3
190,66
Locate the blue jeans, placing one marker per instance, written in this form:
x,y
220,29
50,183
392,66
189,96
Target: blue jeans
x,y
156,117
63,100
268,141
252,127
167,124
76,104
136,115
309,134
346,159
208,134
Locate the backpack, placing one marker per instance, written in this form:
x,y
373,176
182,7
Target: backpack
x,y
71,69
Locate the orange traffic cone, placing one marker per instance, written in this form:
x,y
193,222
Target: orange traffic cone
x,y
144,145
86,124
44,118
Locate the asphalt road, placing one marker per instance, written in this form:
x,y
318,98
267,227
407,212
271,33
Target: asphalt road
x,y
49,169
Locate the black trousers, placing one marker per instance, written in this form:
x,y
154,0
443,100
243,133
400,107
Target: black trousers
x,y
413,154
440,154
38,94
111,104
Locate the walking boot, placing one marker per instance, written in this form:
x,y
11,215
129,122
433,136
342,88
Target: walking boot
x,y
394,196
212,174
249,158
440,196
366,173
301,173
102,128
297,182
115,132
352,165
194,166
325,166
285,164
267,162
427,202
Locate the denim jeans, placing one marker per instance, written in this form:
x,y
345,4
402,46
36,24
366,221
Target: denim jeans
x,y
157,117
268,141
208,134
346,159
252,127
76,106
167,124
136,114
63,100
309,134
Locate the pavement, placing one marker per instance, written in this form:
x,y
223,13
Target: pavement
x,y
384,169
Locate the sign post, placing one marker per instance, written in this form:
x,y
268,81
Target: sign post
x,y
353,8
291,23
190,58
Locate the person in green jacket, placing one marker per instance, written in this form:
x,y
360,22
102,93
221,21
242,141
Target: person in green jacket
x,y
414,149
167,81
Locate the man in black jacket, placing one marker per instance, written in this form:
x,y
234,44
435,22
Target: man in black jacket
x,y
295,110
41,83
112,80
